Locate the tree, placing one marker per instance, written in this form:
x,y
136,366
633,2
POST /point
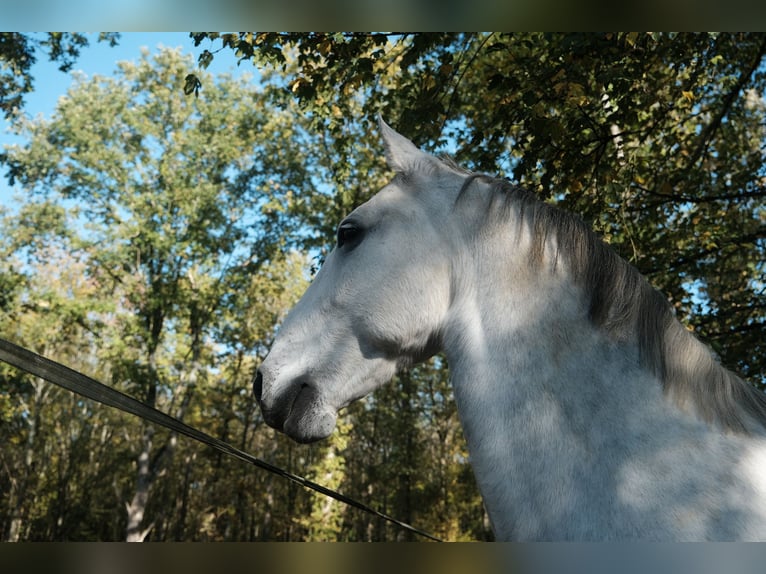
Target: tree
x,y
655,139
170,192
175,224
18,52
60,451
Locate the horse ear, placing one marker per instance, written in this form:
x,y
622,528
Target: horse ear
x,y
401,154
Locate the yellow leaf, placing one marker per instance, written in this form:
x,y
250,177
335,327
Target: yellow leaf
x,y
324,47
297,84
688,95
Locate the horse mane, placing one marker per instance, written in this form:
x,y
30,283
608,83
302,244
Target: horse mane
x,y
623,303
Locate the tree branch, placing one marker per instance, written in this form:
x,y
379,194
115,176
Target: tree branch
x,y
676,198
707,134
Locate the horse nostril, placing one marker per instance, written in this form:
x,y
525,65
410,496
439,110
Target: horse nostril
x,y
258,386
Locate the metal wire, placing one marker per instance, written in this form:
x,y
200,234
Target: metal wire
x,y
76,382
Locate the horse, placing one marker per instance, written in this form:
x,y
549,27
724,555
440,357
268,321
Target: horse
x,y
590,412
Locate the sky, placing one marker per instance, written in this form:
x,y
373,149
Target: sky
x,y
99,58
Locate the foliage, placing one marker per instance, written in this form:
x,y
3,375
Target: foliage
x,y
656,139
155,248
18,52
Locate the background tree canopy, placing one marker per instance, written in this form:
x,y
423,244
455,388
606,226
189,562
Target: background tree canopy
x,y
19,51
656,139
162,235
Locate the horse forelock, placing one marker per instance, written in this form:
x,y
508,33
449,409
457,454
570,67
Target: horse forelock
x,y
623,304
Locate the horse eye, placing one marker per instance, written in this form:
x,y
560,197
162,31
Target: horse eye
x,y
348,232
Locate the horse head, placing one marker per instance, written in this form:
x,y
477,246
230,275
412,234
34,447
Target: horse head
x,y
376,304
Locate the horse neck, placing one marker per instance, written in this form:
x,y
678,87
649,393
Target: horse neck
x,y
511,320
570,432
536,383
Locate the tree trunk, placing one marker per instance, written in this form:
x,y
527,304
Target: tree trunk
x,y
184,510
18,503
404,502
149,469
137,505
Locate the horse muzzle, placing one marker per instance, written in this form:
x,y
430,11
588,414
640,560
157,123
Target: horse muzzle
x,y
295,408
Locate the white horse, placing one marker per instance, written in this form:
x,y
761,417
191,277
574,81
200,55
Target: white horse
x,y
590,412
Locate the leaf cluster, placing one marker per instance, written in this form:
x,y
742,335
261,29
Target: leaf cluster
x,y
159,239
656,139
18,52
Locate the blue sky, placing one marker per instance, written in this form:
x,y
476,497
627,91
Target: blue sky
x,y
100,58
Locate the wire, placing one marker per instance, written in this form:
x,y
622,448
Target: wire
x,y
76,382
